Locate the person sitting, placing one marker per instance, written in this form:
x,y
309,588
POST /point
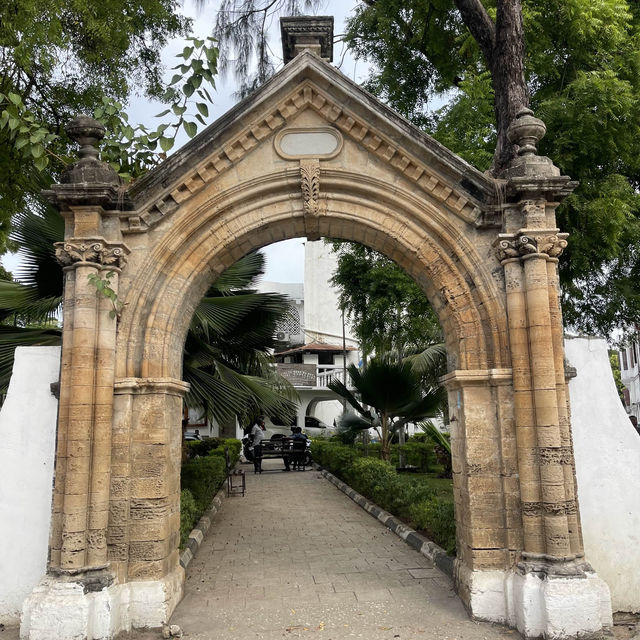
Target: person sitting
x,y
299,448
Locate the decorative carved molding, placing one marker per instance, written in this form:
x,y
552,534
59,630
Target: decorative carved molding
x,y
308,95
526,243
310,184
555,455
96,251
567,507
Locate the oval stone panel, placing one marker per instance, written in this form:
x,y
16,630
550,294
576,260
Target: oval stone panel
x,y
308,143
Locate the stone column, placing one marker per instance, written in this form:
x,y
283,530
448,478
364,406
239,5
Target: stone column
x,y
78,544
76,597
552,591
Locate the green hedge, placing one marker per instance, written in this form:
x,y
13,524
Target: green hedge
x,y
199,448
188,515
419,454
412,498
201,478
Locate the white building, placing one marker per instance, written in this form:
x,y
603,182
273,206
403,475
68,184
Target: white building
x,y
317,342
630,374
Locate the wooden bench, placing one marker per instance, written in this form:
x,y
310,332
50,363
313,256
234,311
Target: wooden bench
x,y
291,450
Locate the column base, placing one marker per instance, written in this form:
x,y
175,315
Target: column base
x,y
66,610
538,605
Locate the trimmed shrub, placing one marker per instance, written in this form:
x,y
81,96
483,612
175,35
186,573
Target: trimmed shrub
x,y
203,477
333,456
375,479
420,454
436,518
188,515
411,498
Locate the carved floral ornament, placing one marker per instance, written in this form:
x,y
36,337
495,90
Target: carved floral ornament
x,y
97,252
548,243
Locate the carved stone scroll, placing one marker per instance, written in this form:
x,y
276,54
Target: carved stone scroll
x,y
96,251
525,243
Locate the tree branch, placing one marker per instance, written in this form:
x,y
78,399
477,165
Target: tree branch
x,y
481,26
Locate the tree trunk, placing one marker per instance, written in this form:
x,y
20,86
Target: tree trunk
x,y
384,448
502,44
507,72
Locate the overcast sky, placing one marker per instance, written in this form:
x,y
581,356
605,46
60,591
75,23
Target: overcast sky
x,y
285,260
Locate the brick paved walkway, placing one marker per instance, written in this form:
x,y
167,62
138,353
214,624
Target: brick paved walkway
x,y
297,558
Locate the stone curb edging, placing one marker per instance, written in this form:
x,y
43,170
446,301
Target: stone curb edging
x,y
200,530
426,547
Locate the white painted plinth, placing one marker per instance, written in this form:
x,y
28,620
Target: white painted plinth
x,y
549,607
62,611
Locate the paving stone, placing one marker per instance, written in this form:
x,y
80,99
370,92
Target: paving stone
x,y
297,557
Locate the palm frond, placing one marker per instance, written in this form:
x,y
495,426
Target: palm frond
x,y
435,434
431,363
338,387
240,275
217,398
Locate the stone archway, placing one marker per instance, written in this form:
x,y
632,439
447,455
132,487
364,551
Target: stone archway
x,y
310,154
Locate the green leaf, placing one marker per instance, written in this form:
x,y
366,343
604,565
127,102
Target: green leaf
x,y
178,110
191,128
37,150
200,119
188,88
203,109
41,163
162,113
15,98
186,52
166,143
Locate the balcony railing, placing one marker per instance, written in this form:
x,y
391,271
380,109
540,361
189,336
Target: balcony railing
x,y
311,375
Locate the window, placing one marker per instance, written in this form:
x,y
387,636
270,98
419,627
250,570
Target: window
x,y
625,363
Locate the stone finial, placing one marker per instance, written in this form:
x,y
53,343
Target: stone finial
x,y
313,33
526,131
88,132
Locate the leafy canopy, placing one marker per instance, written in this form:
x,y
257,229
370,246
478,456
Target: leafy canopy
x,y
583,73
386,308
59,58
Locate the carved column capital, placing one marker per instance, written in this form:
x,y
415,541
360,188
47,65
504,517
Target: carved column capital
x,y
546,243
91,250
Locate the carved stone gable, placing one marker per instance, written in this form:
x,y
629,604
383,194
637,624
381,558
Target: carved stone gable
x,y
356,126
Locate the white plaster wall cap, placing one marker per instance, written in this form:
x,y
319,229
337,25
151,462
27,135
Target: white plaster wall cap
x,y
452,169
167,386
476,377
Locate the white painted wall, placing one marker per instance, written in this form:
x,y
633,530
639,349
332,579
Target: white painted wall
x,y
27,453
607,451
322,316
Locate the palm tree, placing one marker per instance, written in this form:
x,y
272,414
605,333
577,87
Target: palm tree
x,y
226,358
394,391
